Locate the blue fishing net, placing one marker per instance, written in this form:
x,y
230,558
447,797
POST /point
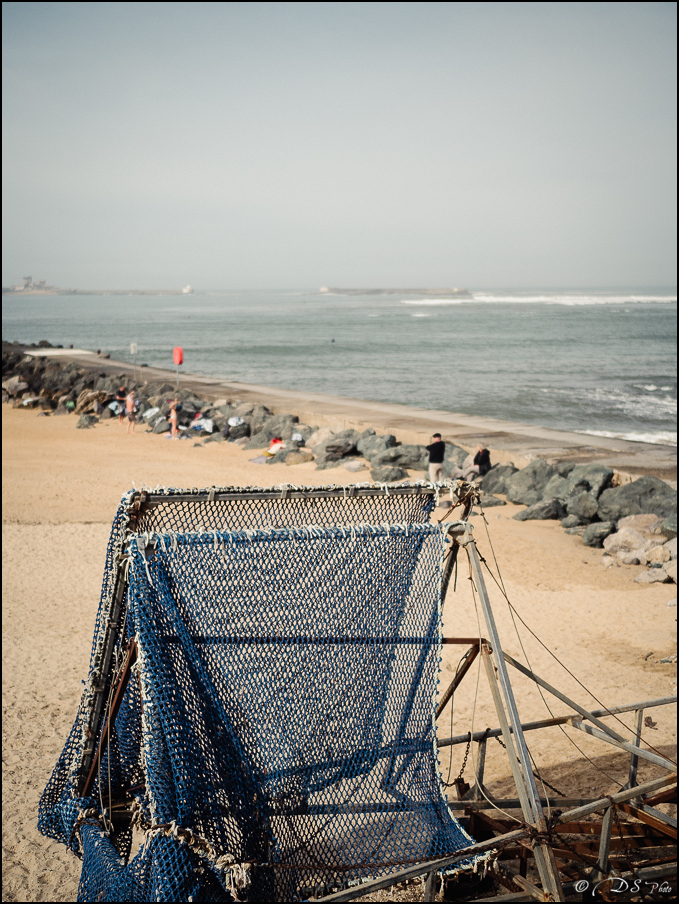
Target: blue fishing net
x,y
276,734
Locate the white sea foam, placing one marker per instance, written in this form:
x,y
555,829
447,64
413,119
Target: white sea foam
x,y
434,302
420,315
664,438
567,299
649,387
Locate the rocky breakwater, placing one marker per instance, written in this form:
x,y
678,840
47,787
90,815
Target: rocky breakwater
x,y
635,523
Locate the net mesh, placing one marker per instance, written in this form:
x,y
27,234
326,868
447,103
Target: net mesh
x,y
276,737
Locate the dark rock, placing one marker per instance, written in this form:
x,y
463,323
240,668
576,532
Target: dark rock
x,y
161,425
592,478
564,468
576,530
669,526
556,488
44,344
406,456
369,445
488,501
595,534
106,414
645,495
333,463
87,420
495,481
548,510
584,506
572,521
259,440
239,431
388,474
526,486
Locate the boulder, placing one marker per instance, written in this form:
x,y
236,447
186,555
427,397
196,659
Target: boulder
x,y
370,445
161,425
548,510
406,456
576,530
653,576
650,523
671,571
259,440
298,457
527,485
627,540
584,506
657,555
238,432
354,464
488,501
106,414
645,495
87,420
595,534
388,474
671,547
453,457
495,481
556,488
592,478
564,468
572,521
668,528
630,558
319,436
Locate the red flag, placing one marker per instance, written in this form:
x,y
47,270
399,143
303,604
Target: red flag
x,y
178,355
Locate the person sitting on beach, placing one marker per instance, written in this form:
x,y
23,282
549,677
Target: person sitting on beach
x,y
174,432
436,450
276,446
131,410
470,470
121,397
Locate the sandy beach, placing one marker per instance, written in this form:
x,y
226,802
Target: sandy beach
x,y
61,487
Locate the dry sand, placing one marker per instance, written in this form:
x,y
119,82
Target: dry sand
x,y
61,487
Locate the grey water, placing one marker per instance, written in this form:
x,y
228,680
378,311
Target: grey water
x,y
593,361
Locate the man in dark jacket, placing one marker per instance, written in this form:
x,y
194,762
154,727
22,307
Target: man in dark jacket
x,y
436,450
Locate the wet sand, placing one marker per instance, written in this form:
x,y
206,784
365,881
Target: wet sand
x,y
61,487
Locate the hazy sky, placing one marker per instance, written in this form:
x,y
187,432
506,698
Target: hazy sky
x,y
253,145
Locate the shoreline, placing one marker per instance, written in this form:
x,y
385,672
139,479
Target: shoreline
x,y
510,439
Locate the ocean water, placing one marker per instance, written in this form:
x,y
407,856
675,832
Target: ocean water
x,y
594,361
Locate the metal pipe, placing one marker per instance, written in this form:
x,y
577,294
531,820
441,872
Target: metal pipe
x,y
544,858
624,745
557,720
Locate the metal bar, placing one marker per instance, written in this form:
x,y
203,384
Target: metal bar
x,y
462,640
544,859
557,720
513,803
605,841
102,670
634,759
623,745
480,768
225,494
470,656
622,796
517,879
430,887
115,706
576,706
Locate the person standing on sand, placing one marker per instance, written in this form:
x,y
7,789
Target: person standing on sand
x,y
121,398
174,432
131,411
436,450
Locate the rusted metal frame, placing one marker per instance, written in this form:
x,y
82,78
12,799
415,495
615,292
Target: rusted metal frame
x,y
661,822
100,678
667,796
130,659
557,720
470,656
411,872
526,787
478,791
623,745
